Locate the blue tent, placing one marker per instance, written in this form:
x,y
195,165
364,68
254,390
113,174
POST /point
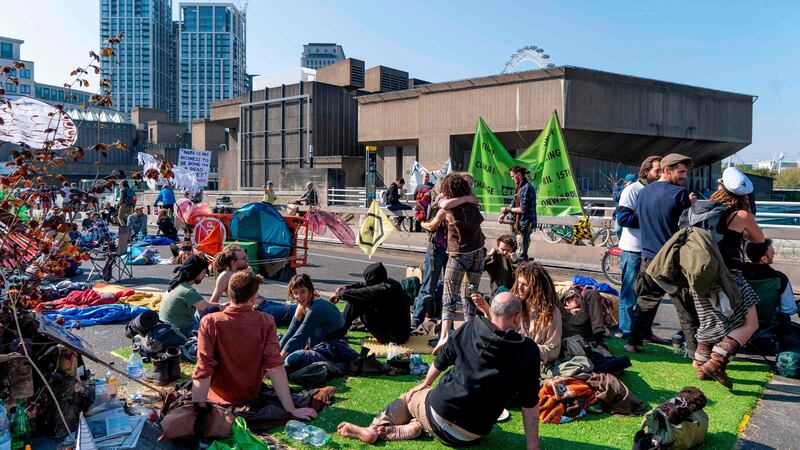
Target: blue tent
x,y
262,223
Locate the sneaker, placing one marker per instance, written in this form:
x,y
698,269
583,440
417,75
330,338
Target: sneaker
x,y
659,340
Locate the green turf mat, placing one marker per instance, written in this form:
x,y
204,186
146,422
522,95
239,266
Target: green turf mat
x,y
655,376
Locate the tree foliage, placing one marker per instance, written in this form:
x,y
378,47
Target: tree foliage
x,y
788,178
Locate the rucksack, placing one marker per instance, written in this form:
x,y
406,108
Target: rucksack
x,y
160,337
423,204
385,195
706,214
788,364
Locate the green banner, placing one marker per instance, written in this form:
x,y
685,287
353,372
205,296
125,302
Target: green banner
x,y
489,164
557,194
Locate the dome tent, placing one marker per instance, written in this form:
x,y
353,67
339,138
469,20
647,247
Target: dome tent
x,y
262,223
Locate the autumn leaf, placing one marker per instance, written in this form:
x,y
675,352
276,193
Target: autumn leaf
x,y
94,55
107,51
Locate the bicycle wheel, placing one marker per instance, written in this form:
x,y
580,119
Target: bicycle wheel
x,y
602,236
611,268
551,234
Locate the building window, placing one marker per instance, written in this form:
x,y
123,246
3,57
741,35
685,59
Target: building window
x,y
6,50
26,73
10,87
24,89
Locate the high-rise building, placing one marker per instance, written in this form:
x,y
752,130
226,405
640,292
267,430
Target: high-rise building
x,y
143,75
212,57
317,54
10,52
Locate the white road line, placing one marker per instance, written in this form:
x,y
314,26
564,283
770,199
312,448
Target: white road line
x,y
355,260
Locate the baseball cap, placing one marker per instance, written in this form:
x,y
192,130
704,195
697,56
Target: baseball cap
x,y
630,177
756,251
736,182
569,293
675,158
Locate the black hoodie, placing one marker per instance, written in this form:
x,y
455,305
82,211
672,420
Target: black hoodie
x,y
489,366
382,301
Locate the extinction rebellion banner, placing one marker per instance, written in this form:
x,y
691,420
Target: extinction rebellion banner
x,y
556,192
546,158
489,164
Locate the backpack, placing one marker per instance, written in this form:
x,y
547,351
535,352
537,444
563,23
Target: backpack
x,y
706,214
127,197
788,364
385,195
160,337
422,204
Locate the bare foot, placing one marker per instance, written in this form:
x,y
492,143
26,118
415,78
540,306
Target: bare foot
x,y
400,432
364,434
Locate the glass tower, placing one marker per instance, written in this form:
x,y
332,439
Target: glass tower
x,y
212,57
144,76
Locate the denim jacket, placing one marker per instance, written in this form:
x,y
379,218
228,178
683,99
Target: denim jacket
x,y
527,201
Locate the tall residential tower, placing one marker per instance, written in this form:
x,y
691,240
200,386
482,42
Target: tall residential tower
x,y
144,75
212,57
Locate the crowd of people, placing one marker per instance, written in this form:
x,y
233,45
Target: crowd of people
x,y
510,338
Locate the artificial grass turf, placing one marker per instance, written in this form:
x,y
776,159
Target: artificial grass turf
x,y
657,374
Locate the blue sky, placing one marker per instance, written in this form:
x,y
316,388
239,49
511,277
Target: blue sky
x,y
747,47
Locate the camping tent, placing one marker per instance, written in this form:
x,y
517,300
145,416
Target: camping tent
x,y
262,223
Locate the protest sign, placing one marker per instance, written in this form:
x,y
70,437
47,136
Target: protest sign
x,y
197,162
552,175
489,164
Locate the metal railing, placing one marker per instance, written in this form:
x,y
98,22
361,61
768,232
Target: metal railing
x,y
598,207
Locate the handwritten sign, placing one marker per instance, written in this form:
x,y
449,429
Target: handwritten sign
x,y
196,161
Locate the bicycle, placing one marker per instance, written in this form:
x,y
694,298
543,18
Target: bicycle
x,y
610,263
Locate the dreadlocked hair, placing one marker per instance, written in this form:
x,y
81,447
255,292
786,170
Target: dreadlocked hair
x,y
738,202
541,296
454,186
226,257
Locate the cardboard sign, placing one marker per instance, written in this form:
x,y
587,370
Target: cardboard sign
x,y
196,161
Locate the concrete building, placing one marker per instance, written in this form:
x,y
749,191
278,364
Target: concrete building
x,y
290,134
348,73
9,53
610,122
316,55
144,73
385,79
213,57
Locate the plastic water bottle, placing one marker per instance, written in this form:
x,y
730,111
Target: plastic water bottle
x,y
5,429
100,391
296,430
21,434
112,382
136,372
316,436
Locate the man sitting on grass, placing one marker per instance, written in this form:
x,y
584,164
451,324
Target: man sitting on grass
x,y
582,314
236,348
490,365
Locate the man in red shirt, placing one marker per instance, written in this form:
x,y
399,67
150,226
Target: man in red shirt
x,y
225,371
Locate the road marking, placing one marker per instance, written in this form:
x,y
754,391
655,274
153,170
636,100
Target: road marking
x,y
355,260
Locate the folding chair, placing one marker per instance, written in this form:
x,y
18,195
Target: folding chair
x,y
768,291
112,259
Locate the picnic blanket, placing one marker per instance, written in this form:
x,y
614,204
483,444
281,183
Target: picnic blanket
x,y
414,344
95,315
146,299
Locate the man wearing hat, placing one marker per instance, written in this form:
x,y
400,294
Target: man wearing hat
x,y
269,194
137,223
630,242
659,207
761,256
182,299
582,314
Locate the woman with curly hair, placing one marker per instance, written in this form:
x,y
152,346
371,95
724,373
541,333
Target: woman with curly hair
x,y
464,247
721,335
541,319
